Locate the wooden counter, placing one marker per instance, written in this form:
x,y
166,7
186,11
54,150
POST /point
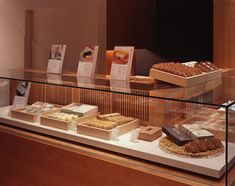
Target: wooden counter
x,y
32,159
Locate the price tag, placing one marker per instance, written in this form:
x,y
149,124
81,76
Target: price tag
x,y
114,135
21,97
55,66
87,61
85,69
134,135
56,60
72,126
122,63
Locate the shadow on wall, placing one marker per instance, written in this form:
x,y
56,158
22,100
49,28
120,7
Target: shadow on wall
x,y
145,59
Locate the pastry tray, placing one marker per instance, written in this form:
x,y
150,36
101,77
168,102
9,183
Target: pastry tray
x,y
106,134
65,125
23,115
184,81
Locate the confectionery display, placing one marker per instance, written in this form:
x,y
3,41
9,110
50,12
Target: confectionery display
x,y
199,148
64,116
187,74
183,70
108,121
32,112
80,109
101,124
116,117
108,126
201,143
150,133
190,129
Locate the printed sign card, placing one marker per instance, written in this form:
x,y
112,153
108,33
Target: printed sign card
x,y
22,94
56,60
122,62
87,61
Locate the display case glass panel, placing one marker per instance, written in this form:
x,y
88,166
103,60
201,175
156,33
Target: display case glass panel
x,y
185,128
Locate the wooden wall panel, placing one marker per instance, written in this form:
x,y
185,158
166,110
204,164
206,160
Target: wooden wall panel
x,y
131,23
58,95
36,160
37,93
102,99
224,31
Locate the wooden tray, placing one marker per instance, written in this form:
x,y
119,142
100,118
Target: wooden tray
x,y
106,134
64,125
20,114
184,81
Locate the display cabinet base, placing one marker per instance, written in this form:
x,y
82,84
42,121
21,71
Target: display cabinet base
x,y
144,150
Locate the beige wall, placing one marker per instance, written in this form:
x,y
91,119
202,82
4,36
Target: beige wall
x,y
11,38
76,23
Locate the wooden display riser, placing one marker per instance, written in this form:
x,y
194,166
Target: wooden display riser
x,y
32,159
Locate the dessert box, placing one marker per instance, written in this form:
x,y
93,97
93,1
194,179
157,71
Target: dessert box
x,y
33,115
184,79
48,120
150,133
107,133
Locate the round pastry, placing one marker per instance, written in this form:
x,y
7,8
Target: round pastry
x,y
202,145
191,149
211,144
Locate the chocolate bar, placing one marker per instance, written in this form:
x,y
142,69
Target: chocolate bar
x,y
176,136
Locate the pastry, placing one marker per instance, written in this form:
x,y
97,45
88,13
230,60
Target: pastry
x,y
64,116
116,117
97,123
199,148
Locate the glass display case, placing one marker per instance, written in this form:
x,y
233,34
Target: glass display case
x,y
185,128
